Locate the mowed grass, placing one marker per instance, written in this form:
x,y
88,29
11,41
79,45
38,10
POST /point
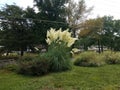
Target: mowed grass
x,y
79,78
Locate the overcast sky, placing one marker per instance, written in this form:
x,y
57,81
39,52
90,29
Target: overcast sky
x,y
101,7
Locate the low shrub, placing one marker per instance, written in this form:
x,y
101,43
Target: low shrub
x,y
11,67
33,66
26,58
89,59
112,57
9,57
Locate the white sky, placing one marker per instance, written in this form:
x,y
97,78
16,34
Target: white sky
x,y
101,7
105,7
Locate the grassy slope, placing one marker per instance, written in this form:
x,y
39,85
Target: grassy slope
x,y
79,78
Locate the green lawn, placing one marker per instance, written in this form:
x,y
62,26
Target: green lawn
x,y
79,78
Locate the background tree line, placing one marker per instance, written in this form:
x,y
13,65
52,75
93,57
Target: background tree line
x,y
22,28
103,32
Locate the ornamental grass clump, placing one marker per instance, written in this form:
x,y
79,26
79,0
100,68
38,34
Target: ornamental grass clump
x,y
60,37
90,59
59,43
112,57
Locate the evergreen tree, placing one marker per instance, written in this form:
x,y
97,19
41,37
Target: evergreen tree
x,y
52,14
16,31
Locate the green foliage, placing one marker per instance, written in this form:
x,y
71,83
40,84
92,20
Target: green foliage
x,y
33,66
11,67
26,58
15,57
49,10
109,29
89,59
16,33
102,31
59,58
59,49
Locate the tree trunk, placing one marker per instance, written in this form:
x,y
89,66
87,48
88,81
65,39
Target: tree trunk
x,y
22,52
102,48
74,33
99,50
84,46
111,46
7,53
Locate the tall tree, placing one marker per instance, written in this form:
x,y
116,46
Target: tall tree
x,y
76,14
93,29
108,27
16,30
51,13
105,31
112,32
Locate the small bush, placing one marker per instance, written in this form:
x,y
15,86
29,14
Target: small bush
x,y
112,57
33,66
11,67
26,58
9,57
89,59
